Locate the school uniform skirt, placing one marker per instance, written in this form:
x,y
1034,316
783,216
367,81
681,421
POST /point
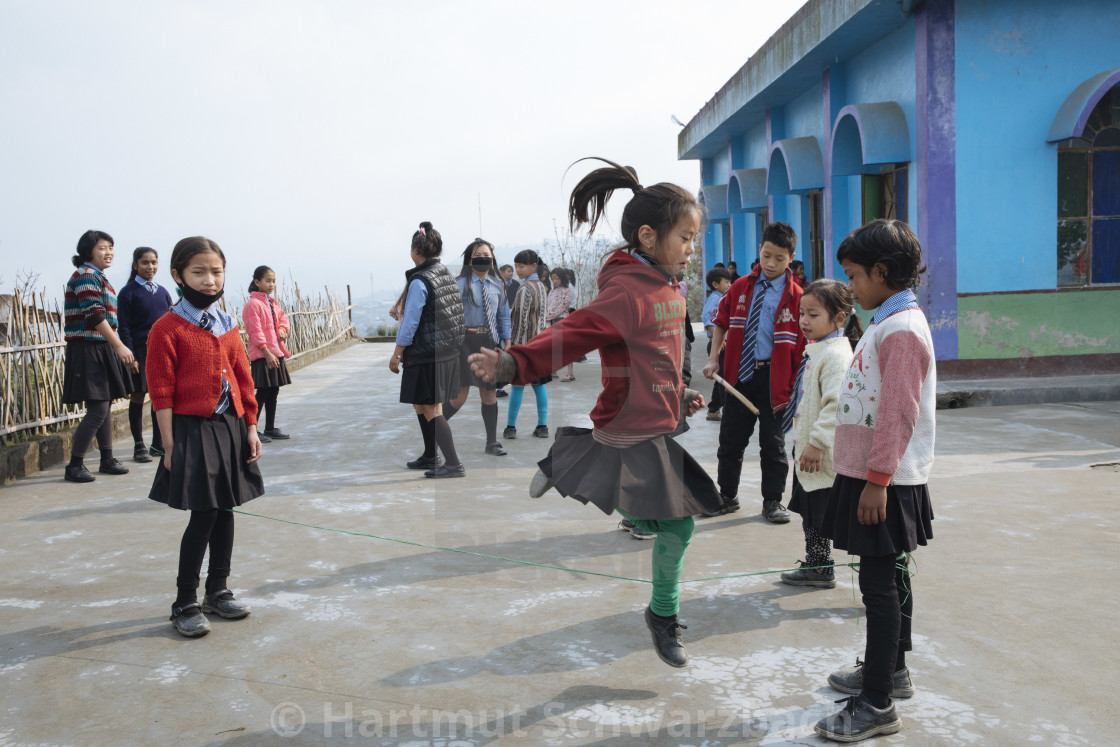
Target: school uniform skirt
x,y
93,372
472,343
656,479
208,468
426,380
269,378
909,519
139,380
810,504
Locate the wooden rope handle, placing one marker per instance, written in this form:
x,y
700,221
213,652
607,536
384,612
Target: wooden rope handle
x,y
735,393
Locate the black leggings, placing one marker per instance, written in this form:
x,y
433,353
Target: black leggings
x,y
96,422
213,529
888,595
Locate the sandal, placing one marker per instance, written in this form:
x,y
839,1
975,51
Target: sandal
x,y
566,379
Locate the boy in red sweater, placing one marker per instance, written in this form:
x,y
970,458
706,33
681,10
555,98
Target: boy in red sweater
x,y
758,318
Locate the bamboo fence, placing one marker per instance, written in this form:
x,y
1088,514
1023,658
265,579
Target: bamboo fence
x,y
33,354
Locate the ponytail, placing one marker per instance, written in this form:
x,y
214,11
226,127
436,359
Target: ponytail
x,y
836,298
257,275
853,330
426,241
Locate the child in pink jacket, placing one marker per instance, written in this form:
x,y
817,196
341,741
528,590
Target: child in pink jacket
x,y
267,327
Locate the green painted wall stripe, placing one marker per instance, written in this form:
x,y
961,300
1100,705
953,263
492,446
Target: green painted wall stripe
x,y
1036,324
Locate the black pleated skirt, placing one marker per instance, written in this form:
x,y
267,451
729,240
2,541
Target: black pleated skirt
x,y
139,380
429,382
93,372
909,519
657,479
810,504
472,343
208,468
269,378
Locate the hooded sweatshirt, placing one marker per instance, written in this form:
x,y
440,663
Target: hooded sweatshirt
x,y
636,323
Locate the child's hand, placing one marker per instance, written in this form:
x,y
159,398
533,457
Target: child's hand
x,y
283,334
711,369
484,364
254,445
167,446
271,360
395,364
872,504
696,405
810,461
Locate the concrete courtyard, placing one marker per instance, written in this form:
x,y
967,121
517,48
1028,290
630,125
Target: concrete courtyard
x,y
355,639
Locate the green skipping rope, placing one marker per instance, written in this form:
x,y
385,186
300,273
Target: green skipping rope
x,y
854,566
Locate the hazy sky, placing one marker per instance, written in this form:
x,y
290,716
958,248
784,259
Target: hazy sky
x,y
314,136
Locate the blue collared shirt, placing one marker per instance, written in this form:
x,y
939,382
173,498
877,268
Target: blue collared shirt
x,y
764,340
904,299
711,306
474,312
220,324
144,283
95,268
414,302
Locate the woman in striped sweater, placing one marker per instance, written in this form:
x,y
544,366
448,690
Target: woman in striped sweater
x,y
97,361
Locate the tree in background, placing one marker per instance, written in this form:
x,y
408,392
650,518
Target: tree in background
x,y
580,253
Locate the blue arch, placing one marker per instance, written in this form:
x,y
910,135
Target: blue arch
x,y
746,190
1074,112
796,166
867,135
714,197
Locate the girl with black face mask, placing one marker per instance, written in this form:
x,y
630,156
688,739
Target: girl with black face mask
x,y
486,315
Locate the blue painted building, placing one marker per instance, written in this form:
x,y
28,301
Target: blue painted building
x,y
991,126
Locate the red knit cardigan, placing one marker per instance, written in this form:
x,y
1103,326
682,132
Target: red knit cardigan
x,y
185,368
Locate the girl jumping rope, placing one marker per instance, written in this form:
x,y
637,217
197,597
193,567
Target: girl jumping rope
x,y
879,507
528,318
833,330
199,379
267,327
626,462
140,304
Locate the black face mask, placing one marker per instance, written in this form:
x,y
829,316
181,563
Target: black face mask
x,y
481,264
198,299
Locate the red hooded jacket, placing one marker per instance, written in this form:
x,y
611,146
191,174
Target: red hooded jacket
x,y
789,342
636,323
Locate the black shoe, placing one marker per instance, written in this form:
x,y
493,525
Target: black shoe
x,y
276,434
496,449
858,720
112,467
541,431
635,531
458,470
501,393
141,454
730,506
510,433
824,578
850,681
223,603
774,512
264,439
190,621
78,474
424,462
666,633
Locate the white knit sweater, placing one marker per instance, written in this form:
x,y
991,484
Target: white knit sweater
x,y
886,414
816,412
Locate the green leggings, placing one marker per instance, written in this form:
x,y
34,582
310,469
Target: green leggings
x,y
673,536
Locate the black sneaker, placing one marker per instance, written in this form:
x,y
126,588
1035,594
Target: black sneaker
x,y
189,621
141,454
510,432
496,449
78,474
112,467
439,473
774,512
636,531
858,720
729,506
850,681
264,439
541,431
501,393
824,578
223,603
424,462
666,633
276,434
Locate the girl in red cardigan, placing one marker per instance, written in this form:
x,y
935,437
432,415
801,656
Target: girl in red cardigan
x,y
201,389
627,462
267,327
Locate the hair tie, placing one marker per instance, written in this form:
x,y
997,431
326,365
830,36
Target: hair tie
x,y
637,188
421,231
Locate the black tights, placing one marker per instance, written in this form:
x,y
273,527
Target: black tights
x,y
266,398
136,425
96,422
213,529
888,595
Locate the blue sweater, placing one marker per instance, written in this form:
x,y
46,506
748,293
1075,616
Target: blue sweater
x,y
138,310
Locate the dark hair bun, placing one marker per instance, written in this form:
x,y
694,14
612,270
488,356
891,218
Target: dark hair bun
x,y
427,241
